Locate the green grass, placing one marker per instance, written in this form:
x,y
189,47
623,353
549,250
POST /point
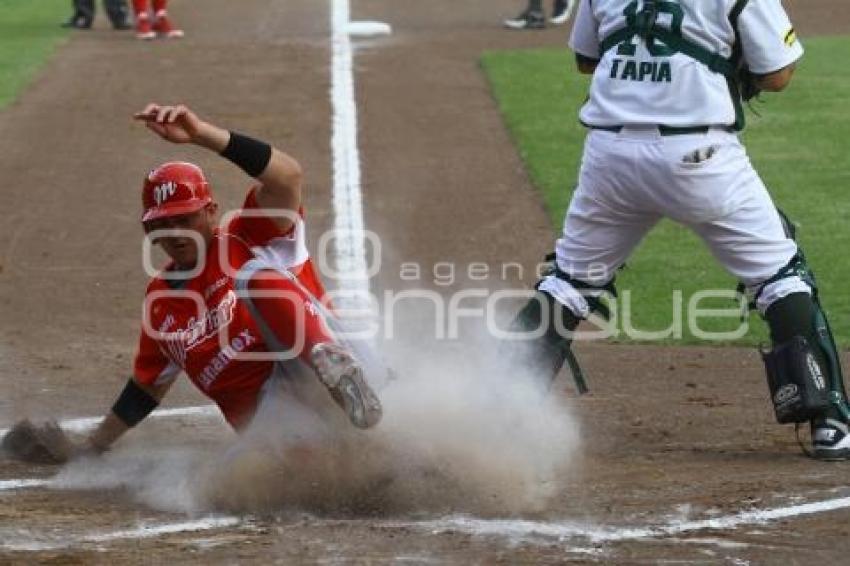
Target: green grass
x,y
799,145
29,32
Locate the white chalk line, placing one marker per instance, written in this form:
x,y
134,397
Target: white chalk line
x,y
562,531
83,424
350,250
7,485
514,530
141,531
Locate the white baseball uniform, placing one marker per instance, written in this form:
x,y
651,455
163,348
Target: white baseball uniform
x,y
632,177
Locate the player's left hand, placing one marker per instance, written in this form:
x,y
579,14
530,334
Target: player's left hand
x,y
46,443
177,124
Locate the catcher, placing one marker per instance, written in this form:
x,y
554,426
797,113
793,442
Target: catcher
x,y
239,304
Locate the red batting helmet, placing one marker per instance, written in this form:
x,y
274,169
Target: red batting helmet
x,y
173,189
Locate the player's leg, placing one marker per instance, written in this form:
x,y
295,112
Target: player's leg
x,y
291,319
118,13
83,15
291,313
144,26
162,23
754,243
601,229
530,18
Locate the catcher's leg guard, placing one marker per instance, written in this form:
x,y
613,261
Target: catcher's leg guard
x,y
546,355
803,368
798,369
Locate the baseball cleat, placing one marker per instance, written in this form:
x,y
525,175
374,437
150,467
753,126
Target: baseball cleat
x,y
342,374
162,26
830,440
529,19
143,27
78,21
561,12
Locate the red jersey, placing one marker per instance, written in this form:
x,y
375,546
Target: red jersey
x,y
201,327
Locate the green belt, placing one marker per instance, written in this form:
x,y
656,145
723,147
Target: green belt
x,y
662,129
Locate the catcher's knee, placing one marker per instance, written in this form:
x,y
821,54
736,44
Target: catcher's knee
x,y
580,297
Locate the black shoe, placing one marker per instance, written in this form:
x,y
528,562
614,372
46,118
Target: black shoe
x,y
527,20
121,26
77,21
561,12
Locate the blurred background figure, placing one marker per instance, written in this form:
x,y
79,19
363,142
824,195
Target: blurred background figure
x,y
83,15
160,25
534,18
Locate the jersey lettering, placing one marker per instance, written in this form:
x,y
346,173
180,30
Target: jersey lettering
x,y
629,70
655,72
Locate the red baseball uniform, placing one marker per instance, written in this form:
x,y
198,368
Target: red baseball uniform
x,y
201,327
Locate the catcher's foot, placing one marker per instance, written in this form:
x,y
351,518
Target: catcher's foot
x,y
341,373
830,440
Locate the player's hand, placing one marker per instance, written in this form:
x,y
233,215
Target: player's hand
x,y
177,124
44,443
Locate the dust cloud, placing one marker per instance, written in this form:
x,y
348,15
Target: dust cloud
x,y
463,432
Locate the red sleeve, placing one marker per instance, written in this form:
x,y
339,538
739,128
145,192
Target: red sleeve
x,y
151,366
256,229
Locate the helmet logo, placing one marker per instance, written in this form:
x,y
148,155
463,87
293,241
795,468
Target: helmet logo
x,y
163,192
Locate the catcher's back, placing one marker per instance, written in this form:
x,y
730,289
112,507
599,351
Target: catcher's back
x,y
671,62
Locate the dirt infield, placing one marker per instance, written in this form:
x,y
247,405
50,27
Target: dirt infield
x,y
670,437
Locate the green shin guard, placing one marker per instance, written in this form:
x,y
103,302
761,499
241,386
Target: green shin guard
x,y
545,355
791,318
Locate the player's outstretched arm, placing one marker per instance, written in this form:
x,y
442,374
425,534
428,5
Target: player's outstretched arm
x,y
279,174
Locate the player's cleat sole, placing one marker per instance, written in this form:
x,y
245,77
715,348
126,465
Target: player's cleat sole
x,y
526,20
342,374
830,441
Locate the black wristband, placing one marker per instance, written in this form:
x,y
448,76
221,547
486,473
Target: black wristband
x,y
134,404
250,155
